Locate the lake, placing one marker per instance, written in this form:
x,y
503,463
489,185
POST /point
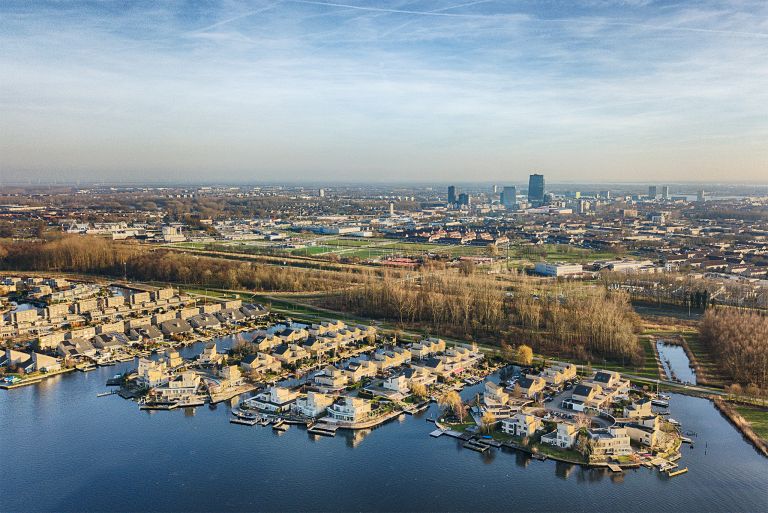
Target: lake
x,y
64,449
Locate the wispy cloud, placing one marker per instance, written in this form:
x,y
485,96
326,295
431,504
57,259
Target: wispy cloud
x,y
340,89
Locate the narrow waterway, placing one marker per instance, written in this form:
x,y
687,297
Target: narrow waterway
x,y
675,362
64,449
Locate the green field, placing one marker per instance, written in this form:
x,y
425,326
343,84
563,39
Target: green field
x,y
757,418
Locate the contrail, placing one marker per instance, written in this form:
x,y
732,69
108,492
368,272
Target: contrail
x,y
573,21
238,17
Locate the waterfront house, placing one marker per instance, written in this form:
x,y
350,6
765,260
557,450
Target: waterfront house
x,y
397,383
275,399
266,342
564,436
313,404
495,400
230,315
260,362
231,376
182,385
357,370
151,374
558,373
326,327
175,327
392,357
587,393
293,334
318,346
290,354
613,385
351,409
427,347
613,441
76,347
254,311
18,359
531,386
204,321
416,375
521,424
210,355
644,435
638,409
432,365
331,379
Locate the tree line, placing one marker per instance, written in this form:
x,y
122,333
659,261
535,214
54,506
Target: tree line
x,y
585,322
95,255
739,340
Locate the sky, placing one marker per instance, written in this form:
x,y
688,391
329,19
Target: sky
x,y
388,90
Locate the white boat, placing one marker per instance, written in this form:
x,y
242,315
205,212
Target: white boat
x,y
660,402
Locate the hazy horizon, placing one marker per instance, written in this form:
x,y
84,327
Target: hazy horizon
x,y
624,91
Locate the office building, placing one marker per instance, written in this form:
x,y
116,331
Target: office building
x,y
464,200
451,194
665,192
700,197
652,191
509,197
536,189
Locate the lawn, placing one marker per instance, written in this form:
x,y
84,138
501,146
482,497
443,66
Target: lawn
x,y
757,418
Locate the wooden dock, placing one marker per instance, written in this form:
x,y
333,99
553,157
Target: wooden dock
x,y
323,429
614,468
476,445
244,422
673,473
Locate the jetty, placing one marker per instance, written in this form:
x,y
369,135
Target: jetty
x,y
673,473
477,445
323,429
244,422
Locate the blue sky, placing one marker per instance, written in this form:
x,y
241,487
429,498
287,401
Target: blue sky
x,y
391,90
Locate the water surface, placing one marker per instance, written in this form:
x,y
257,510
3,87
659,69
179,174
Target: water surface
x,y
64,449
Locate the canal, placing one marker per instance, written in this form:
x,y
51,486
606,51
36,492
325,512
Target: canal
x,y
64,449
676,364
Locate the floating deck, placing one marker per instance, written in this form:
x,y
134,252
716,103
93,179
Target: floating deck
x,y
244,422
614,468
323,429
677,472
476,446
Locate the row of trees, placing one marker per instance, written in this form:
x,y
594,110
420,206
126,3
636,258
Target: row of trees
x,y
94,255
739,340
580,321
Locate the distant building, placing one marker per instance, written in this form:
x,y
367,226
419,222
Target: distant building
x,y
605,194
321,193
665,192
509,197
556,269
536,189
652,191
465,200
451,194
700,197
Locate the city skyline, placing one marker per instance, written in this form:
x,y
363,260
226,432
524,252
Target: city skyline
x,y
396,91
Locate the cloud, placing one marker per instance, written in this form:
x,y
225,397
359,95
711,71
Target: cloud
x,y
322,89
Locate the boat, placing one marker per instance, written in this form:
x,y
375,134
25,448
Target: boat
x,y
660,402
244,414
673,422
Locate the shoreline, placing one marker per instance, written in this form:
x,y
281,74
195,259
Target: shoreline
x,y
735,418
